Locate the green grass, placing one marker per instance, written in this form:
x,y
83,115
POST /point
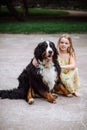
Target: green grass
x,y
47,11
44,27
39,11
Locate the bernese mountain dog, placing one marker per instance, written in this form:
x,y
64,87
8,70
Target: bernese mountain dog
x,y
43,79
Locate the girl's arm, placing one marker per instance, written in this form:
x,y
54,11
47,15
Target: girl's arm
x,y
34,62
72,64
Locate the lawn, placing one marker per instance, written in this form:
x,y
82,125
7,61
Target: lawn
x,y
40,25
43,27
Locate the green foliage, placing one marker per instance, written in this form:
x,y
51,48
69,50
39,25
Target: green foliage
x,y
43,27
65,4
47,11
39,11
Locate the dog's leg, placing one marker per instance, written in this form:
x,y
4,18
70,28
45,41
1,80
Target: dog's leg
x,y
48,96
60,89
29,96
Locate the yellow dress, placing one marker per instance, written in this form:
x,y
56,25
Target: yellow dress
x,y
70,78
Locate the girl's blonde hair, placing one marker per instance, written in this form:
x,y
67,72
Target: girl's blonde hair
x,y
70,50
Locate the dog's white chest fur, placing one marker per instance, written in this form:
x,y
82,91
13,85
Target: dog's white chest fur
x,y
49,74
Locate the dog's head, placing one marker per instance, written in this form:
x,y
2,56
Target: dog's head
x,y
46,50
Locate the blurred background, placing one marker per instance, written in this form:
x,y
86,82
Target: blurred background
x,y
43,16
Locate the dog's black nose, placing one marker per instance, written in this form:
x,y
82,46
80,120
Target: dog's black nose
x,y
50,52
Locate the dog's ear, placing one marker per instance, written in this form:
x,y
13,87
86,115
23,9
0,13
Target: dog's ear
x,y
55,51
37,51
55,54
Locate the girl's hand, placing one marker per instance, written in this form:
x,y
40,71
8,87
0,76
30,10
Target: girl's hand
x,y
34,62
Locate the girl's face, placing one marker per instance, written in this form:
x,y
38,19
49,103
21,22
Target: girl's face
x,y
64,44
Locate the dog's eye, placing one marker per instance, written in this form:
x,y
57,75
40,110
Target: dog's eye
x,y
45,45
51,45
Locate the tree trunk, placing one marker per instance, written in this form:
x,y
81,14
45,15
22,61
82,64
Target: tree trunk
x,y
14,12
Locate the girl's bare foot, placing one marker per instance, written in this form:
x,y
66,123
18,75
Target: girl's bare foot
x,y
75,94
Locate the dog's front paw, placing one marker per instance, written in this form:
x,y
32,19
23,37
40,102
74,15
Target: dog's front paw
x,y
51,99
31,101
55,95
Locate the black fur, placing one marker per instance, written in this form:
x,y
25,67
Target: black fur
x,y
31,75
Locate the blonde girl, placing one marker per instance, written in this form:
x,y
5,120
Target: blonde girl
x,y
67,61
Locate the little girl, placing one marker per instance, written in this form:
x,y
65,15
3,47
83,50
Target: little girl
x,y
67,61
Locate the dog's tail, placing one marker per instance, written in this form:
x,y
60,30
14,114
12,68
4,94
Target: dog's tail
x,y
16,93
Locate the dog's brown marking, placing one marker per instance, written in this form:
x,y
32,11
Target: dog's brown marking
x,y
44,54
60,89
48,96
30,95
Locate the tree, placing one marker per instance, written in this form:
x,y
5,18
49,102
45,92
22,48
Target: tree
x,y
11,7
